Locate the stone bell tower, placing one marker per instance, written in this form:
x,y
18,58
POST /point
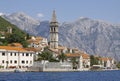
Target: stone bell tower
x,y
54,32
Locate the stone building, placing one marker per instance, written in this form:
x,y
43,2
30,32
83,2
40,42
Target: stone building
x,y
54,32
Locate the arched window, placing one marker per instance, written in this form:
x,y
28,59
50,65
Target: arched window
x,y
54,29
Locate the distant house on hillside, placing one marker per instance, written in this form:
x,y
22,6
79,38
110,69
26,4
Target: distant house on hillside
x,y
62,49
9,30
38,42
3,33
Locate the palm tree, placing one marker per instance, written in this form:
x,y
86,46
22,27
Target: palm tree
x,y
62,57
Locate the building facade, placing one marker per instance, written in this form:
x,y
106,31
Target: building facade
x,y
15,57
107,62
82,59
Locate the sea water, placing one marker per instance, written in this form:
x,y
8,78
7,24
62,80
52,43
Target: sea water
x,y
62,76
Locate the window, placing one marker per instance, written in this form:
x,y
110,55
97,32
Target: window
x,y
26,62
54,30
15,61
15,54
10,54
11,61
3,61
30,62
23,61
3,53
27,54
22,54
7,62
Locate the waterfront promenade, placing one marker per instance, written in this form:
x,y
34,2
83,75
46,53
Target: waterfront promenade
x,y
45,70
12,70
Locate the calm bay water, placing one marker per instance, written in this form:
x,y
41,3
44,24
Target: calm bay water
x,y
62,76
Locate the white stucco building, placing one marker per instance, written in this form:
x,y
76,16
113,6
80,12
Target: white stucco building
x,y
38,42
107,62
82,58
15,57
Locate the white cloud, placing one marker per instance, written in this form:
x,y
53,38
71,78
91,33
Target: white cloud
x,y
1,13
40,15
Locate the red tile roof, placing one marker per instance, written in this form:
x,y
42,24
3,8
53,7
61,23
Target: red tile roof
x,y
13,48
105,58
85,56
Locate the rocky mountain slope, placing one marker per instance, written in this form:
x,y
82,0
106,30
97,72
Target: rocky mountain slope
x,y
23,21
95,37
92,36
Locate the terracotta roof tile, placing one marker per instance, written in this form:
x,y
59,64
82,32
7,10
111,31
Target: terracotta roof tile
x,y
61,47
85,56
105,58
13,48
37,40
33,49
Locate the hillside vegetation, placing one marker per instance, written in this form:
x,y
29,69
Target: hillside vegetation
x,y
6,37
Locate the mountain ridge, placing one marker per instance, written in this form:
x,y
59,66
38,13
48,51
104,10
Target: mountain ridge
x,y
22,21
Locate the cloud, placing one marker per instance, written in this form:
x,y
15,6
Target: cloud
x,y
40,15
1,13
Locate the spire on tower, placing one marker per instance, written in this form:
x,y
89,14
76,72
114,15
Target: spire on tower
x,y
54,17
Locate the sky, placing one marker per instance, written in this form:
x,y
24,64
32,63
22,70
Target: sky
x,y
66,10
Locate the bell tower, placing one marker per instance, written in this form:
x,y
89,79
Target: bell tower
x,y
54,32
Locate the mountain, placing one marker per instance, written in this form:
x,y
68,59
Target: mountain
x,y
23,21
92,36
43,29
4,25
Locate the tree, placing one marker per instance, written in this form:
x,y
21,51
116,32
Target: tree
x,y
118,65
62,57
28,36
94,60
3,42
46,55
17,37
74,62
25,43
